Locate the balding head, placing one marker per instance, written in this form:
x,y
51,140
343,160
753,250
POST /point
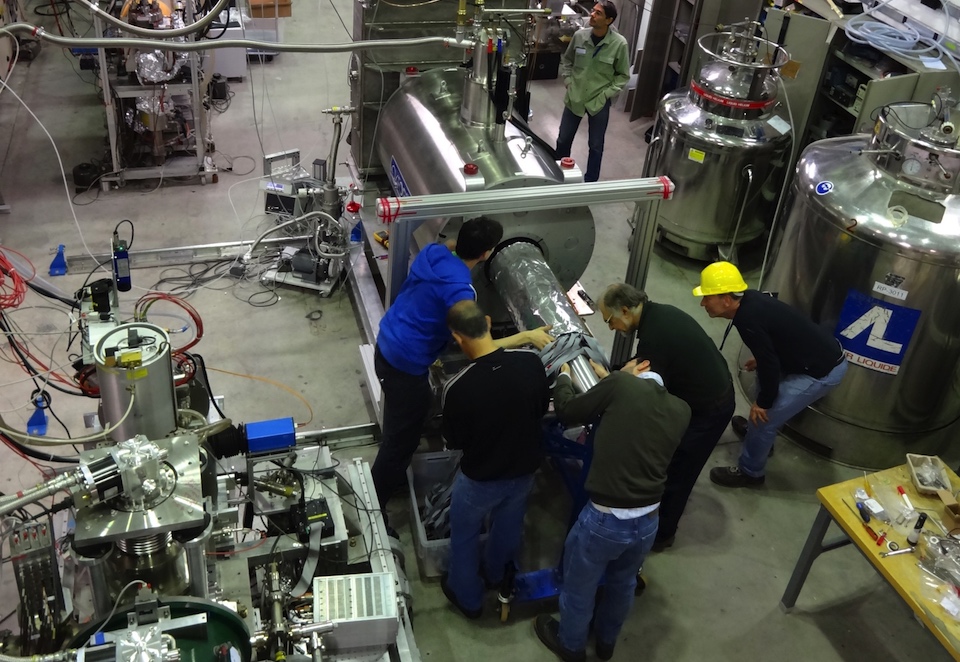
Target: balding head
x,y
467,319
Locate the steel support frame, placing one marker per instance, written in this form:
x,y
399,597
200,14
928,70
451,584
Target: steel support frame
x,y
406,214
164,257
381,556
641,247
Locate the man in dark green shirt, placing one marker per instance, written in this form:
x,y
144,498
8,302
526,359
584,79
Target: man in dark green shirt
x,y
639,428
693,369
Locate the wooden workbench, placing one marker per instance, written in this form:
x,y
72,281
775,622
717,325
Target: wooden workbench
x,y
902,571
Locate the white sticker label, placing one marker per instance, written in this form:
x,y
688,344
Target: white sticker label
x,y
872,364
779,124
873,506
890,291
951,605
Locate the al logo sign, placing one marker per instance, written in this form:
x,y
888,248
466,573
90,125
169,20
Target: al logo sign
x,y
875,334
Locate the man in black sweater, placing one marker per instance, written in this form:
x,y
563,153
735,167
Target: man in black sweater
x,y
639,429
492,410
797,363
693,369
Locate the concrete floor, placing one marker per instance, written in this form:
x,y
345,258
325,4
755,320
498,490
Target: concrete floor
x,y
714,595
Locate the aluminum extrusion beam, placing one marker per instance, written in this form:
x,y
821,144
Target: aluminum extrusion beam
x,y
530,198
641,246
408,213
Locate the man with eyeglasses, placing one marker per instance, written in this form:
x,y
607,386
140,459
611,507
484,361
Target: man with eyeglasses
x,y
693,369
595,67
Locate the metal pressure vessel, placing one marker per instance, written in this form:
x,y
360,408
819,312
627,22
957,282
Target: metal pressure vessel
x,y
135,373
871,251
438,134
725,143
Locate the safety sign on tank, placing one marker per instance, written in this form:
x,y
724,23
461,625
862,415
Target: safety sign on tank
x,y
875,334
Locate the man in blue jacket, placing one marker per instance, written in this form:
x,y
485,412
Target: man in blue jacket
x,y
595,67
414,332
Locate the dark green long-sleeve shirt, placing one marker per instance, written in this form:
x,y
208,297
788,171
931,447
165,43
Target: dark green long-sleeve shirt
x,y
640,427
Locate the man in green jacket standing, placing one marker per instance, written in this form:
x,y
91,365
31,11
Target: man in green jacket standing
x,y
594,67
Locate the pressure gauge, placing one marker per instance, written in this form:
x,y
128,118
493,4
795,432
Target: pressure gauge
x,y
911,167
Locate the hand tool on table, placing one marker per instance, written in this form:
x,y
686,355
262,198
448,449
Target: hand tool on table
x,y
873,534
905,550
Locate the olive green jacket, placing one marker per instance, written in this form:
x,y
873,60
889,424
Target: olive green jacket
x,y
594,74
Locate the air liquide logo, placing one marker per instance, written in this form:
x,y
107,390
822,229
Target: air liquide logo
x,y
875,334
396,179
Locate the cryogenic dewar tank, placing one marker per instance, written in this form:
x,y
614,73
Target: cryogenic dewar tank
x,y
871,250
441,133
725,143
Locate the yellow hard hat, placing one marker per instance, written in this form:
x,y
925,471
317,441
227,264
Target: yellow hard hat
x,y
719,278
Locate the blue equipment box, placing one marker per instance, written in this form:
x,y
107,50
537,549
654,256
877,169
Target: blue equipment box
x,y
273,435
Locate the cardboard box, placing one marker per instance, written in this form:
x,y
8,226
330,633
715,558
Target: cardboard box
x,y
271,8
951,509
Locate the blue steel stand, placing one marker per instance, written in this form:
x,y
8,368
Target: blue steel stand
x,y
572,460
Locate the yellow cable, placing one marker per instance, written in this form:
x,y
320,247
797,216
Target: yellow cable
x,y
274,382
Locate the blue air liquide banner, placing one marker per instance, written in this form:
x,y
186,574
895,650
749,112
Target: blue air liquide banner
x,y
875,334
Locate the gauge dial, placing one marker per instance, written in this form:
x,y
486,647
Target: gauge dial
x,y
911,167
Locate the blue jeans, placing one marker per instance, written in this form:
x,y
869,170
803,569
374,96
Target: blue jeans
x,y
600,545
795,393
505,501
569,123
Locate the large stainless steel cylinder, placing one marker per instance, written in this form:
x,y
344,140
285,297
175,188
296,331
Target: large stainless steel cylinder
x,y
725,143
139,369
534,297
428,148
870,251
530,290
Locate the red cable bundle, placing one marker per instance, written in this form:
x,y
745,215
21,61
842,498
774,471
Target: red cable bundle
x,y
13,287
143,305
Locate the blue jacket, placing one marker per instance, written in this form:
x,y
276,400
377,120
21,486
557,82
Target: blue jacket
x,y
414,330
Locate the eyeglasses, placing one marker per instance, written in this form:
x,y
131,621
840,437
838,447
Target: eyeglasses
x,y
607,320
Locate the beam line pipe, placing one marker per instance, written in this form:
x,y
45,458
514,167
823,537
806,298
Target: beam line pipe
x,y
208,44
41,491
533,297
151,34
531,198
516,12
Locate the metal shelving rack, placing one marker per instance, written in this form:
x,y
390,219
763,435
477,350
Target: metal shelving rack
x,y
191,161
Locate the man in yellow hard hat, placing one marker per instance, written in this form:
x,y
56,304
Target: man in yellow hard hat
x,y
797,363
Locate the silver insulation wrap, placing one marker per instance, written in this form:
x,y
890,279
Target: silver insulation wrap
x,y
530,291
534,297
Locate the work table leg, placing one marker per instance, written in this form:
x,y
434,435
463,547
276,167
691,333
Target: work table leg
x,y
813,548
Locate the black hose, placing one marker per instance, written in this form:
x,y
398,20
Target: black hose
x,y
38,455
206,381
33,372
73,303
